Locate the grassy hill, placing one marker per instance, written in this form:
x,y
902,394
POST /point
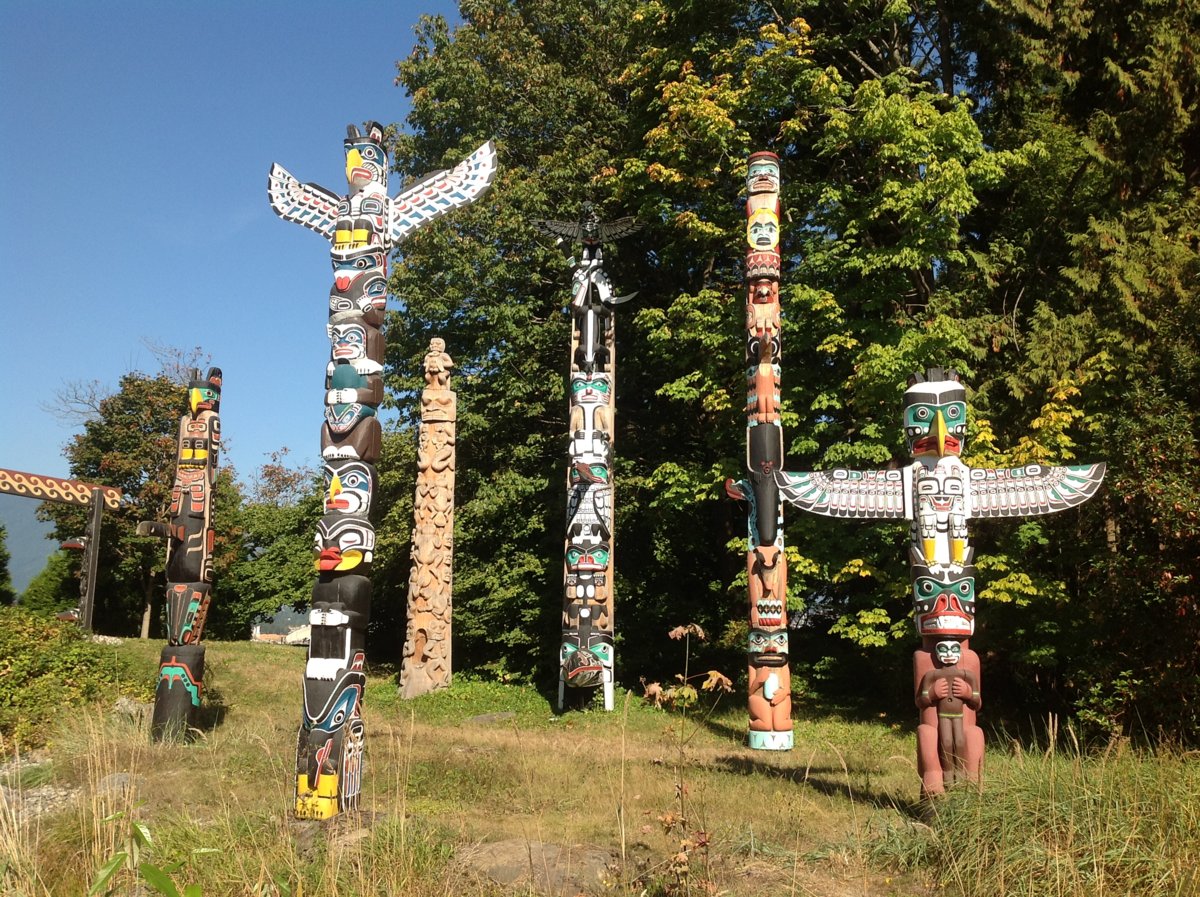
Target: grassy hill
x,y
483,790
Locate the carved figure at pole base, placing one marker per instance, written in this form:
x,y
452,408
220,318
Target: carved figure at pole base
x,y
949,743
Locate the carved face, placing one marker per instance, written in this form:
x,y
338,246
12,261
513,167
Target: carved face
x,y
762,173
587,555
586,659
348,341
342,543
948,653
348,487
590,389
762,230
944,605
205,394
768,648
359,281
366,160
935,418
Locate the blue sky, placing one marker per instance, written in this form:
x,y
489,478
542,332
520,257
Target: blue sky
x,y
135,140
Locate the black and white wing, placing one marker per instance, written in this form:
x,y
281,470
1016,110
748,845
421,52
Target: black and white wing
x,y
307,204
615,230
1032,490
442,191
564,230
846,493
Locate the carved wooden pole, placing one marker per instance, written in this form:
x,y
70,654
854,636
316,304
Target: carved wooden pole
x,y
362,226
938,494
586,651
770,685
427,659
189,536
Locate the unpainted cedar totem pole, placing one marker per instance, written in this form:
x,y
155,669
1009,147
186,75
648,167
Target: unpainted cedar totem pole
x,y
362,227
938,493
189,536
586,651
770,696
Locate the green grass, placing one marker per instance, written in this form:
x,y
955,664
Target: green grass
x,y
681,806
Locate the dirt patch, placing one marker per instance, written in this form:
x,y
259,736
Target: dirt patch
x,y
542,868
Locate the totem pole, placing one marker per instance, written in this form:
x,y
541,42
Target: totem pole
x,y
189,538
426,666
938,493
770,686
586,652
362,226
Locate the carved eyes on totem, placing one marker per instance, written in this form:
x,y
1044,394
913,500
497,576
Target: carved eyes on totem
x,y
929,588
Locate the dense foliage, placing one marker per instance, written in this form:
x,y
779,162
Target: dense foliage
x,y
1009,188
46,666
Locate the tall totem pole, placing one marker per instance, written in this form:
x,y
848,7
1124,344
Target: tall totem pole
x,y
938,493
362,226
586,652
189,538
770,686
426,666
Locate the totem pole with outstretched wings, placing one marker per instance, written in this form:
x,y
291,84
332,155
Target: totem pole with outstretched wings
x,y
939,495
586,650
363,227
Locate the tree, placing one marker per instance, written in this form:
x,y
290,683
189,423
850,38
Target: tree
x,y
1007,188
7,594
54,589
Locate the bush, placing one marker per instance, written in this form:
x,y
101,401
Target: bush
x,y
46,666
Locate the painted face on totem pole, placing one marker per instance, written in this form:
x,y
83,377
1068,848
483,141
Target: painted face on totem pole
x,y
366,160
348,487
762,173
944,605
590,389
948,653
935,414
768,649
348,341
359,283
585,472
586,657
587,553
762,230
343,543
205,395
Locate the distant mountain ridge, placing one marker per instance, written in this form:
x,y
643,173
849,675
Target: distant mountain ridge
x,y
26,539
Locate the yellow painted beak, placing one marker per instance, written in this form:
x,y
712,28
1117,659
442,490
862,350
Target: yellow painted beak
x,y
939,430
353,161
194,399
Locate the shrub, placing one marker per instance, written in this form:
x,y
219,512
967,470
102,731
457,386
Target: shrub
x,y
47,665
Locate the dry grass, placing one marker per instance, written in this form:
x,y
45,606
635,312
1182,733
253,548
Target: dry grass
x,y
674,805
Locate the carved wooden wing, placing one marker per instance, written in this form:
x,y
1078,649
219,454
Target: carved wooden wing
x,y
308,204
847,493
615,230
442,191
567,230
1032,490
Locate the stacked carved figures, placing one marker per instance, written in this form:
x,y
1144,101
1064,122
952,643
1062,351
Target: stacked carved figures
x,y
770,698
938,493
362,226
189,538
586,650
427,665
